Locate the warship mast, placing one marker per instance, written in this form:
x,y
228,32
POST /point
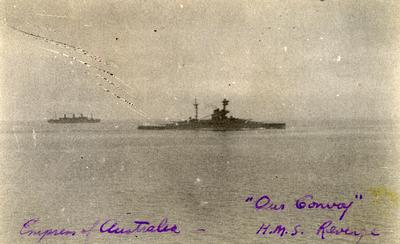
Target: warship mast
x,y
196,109
224,103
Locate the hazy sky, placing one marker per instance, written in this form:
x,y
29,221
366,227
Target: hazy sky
x,y
275,60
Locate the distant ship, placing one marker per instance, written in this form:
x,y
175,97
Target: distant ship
x,y
219,121
73,119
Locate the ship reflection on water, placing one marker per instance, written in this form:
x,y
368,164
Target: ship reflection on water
x,y
218,121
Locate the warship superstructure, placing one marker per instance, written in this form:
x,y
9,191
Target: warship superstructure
x,y
73,119
219,121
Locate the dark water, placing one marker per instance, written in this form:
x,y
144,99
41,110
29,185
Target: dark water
x,y
71,175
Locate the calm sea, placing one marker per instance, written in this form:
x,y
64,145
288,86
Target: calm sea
x,y
69,176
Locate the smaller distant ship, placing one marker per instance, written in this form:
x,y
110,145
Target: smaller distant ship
x,y
73,119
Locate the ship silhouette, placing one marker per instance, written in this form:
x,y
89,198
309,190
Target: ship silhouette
x,y
218,121
73,119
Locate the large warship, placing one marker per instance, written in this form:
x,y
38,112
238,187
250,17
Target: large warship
x,y
218,121
73,119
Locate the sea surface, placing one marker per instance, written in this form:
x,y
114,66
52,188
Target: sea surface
x,y
71,175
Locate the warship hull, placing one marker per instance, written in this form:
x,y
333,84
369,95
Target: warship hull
x,y
213,126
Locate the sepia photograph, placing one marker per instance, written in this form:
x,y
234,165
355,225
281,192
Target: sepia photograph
x,y
199,121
